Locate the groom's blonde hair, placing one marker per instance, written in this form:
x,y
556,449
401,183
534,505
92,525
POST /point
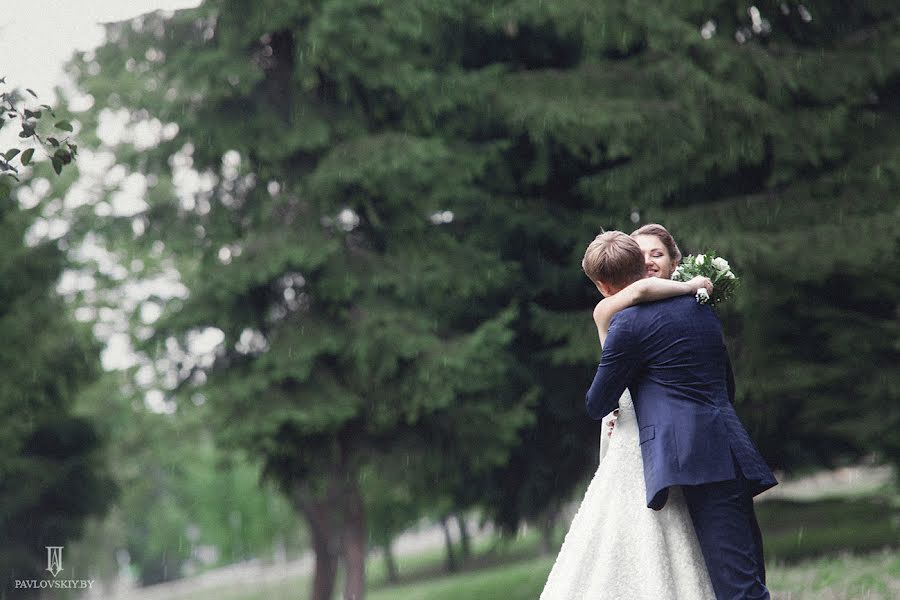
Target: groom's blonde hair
x,y
613,258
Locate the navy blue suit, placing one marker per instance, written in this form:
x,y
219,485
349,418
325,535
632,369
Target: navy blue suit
x,y
671,356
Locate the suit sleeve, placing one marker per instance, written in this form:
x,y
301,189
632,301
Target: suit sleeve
x,y
617,365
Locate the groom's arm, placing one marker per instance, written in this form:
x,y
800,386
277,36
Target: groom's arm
x,y
617,365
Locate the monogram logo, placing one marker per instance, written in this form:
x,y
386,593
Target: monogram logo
x,y
54,559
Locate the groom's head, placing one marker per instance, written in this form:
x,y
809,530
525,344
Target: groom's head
x,y
613,261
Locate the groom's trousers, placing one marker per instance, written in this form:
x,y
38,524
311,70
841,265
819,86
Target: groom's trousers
x,y
729,537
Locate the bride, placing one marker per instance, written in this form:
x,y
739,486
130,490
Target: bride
x,y
616,547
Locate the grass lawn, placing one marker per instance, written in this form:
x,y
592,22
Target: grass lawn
x,y
794,530
523,579
874,577
826,549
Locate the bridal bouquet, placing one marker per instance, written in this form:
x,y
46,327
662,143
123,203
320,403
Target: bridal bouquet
x,y
708,265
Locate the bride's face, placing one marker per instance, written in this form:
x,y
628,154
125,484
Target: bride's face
x,y
656,257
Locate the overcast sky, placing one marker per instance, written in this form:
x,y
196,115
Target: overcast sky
x,y
38,36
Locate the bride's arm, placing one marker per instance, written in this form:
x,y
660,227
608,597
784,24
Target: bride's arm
x,y
643,290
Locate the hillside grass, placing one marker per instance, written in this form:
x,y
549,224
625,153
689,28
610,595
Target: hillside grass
x,y
825,549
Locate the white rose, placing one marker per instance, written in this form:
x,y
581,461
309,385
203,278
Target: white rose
x,y
702,296
729,275
701,258
720,264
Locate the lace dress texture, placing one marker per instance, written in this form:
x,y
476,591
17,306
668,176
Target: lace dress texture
x,y
616,547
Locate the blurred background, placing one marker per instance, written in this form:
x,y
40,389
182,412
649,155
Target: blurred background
x,y
291,298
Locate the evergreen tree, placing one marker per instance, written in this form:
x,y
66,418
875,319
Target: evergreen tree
x,y
357,323
767,133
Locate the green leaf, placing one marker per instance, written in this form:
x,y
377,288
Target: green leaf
x,y
53,142
11,153
30,91
26,156
57,164
64,125
35,114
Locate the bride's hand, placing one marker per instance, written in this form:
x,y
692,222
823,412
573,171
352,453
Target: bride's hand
x,y
701,282
612,422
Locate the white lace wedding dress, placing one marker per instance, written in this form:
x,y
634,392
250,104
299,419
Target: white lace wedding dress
x,y
616,547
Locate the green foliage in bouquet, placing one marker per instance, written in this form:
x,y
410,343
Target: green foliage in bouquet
x,y
716,268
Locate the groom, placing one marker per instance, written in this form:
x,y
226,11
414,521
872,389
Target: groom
x,y
671,356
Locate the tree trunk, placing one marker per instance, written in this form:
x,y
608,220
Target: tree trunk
x,y
393,574
464,538
354,546
448,542
319,514
548,524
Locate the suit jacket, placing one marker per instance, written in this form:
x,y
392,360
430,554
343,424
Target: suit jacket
x,y
671,356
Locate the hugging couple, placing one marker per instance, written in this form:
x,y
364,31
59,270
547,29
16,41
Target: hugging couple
x,y
669,512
